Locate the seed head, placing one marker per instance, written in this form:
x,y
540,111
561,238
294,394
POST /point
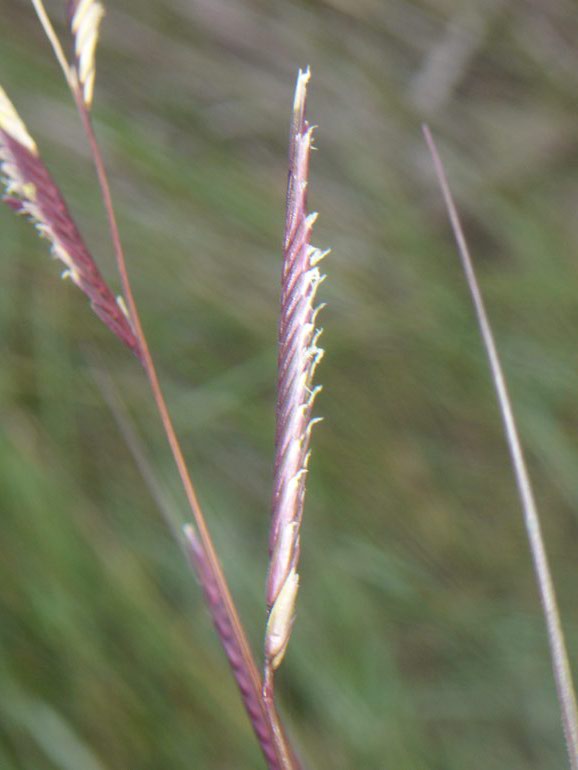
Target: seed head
x,y
299,355
30,190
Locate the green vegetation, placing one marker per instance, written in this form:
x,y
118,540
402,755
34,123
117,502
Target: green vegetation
x,y
419,641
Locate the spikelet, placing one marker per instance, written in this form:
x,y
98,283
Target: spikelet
x,y
229,641
298,358
31,190
85,17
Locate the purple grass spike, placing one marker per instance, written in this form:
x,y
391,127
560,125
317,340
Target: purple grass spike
x,y
30,190
298,357
253,706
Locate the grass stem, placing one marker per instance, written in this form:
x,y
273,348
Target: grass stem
x,y
560,663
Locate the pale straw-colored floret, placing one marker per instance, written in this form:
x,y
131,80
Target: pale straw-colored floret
x,y
281,620
12,124
85,27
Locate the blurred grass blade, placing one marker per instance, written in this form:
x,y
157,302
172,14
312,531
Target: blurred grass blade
x,y
560,664
137,449
55,735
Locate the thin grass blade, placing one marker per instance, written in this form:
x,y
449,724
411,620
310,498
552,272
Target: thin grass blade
x,y
54,42
136,446
560,663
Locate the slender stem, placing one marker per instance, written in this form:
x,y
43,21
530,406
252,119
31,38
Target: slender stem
x,y
286,758
54,42
560,663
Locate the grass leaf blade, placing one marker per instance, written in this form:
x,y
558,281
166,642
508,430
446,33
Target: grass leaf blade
x,y
560,663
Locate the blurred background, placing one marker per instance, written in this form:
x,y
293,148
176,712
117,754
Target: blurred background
x,y
419,641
